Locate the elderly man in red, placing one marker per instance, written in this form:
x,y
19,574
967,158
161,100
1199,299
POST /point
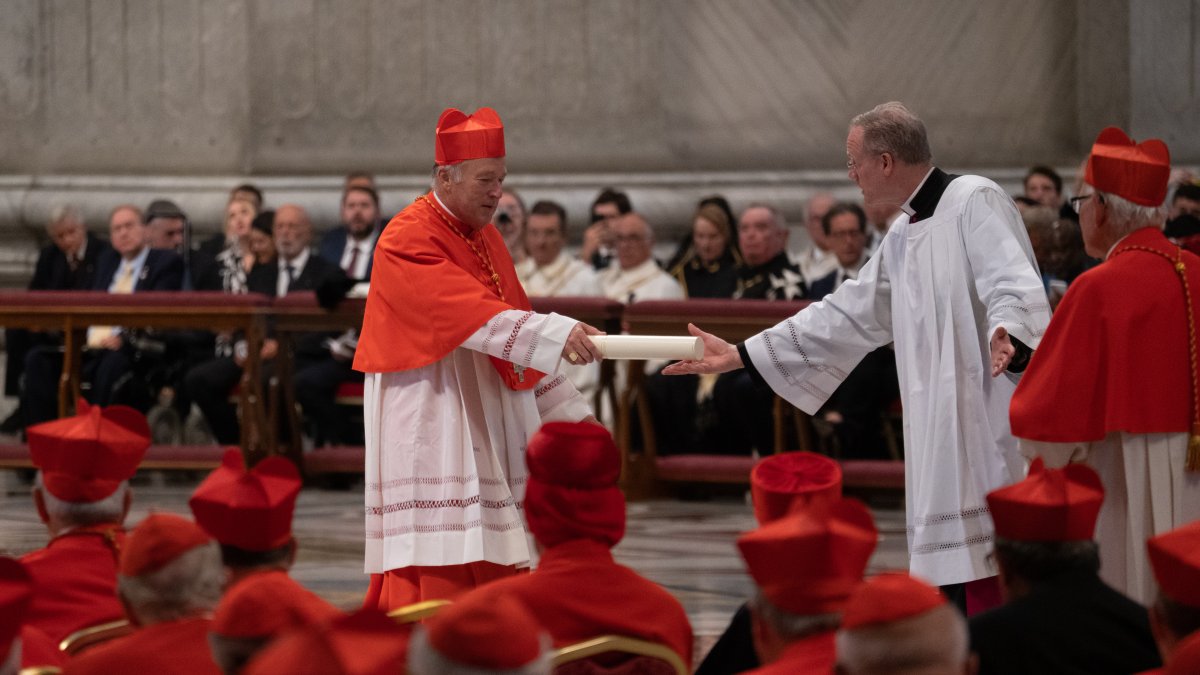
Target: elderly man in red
x,y
1114,382
82,495
366,642
459,375
1175,614
804,566
577,514
170,580
481,635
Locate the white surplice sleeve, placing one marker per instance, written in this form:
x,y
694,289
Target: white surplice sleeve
x,y
806,357
533,340
1005,273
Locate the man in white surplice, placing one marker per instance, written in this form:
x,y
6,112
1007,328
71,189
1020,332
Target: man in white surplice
x,y
955,286
459,374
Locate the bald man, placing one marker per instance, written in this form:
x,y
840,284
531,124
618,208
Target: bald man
x,y
933,643
636,276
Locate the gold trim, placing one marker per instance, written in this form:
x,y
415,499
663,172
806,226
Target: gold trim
x,y
619,643
417,611
101,632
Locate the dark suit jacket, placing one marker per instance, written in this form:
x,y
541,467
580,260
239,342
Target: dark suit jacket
x,y
333,245
1075,624
317,273
163,271
53,272
824,286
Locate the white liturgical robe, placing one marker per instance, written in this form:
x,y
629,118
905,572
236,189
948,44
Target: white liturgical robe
x,y
445,447
564,276
938,288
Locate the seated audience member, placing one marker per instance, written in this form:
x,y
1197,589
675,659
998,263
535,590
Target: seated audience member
x,y
1056,607
249,513
779,485
549,270
67,263
1044,186
856,407
250,193
223,261
599,239
257,610
636,274
769,274
1185,201
359,179
170,580
895,624
21,644
481,636
131,266
296,269
804,567
1175,614
576,514
709,266
82,495
261,239
168,227
510,221
814,260
351,245
366,641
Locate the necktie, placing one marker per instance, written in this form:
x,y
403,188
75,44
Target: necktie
x,y
124,285
353,266
291,276
73,261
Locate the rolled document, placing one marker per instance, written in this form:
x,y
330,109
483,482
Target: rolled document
x,y
645,347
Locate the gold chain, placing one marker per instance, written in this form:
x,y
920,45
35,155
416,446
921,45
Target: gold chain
x,y
485,258
1193,453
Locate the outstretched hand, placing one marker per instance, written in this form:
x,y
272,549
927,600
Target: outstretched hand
x,y
719,357
1002,351
579,348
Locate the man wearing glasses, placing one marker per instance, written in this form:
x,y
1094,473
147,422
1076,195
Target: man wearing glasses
x,y
1114,381
955,287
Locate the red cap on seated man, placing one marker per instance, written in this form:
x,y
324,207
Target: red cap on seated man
x,y
82,494
170,580
258,609
576,513
366,642
895,624
480,635
249,512
1175,614
804,566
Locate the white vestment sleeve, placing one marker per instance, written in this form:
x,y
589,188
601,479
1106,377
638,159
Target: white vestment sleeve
x,y
1002,263
806,357
527,339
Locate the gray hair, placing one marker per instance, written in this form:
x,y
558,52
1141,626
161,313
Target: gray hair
x,y
790,626
937,637
894,129
454,171
1124,216
64,214
188,585
12,664
776,214
80,514
423,659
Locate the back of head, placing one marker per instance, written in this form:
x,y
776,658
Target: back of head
x,y
169,570
366,642
572,491
893,128
895,623
483,633
1175,561
783,483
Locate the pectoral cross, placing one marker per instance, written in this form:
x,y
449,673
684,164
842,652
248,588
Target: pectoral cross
x,y
520,371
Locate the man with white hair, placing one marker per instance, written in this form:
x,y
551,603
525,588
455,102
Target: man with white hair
x,y
815,260
1116,384
636,276
82,495
460,373
895,624
481,635
170,581
955,287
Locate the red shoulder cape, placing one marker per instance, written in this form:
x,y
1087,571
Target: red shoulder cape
x,y
430,292
1115,356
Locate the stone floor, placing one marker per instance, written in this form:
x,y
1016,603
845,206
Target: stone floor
x,y
687,546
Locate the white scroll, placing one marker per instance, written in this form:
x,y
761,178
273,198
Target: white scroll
x,y
645,347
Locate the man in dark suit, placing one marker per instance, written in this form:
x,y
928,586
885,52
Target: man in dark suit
x,y
352,245
130,266
1058,616
295,269
68,262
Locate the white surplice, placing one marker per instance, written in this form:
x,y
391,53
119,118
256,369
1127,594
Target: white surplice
x,y
445,447
938,288
564,276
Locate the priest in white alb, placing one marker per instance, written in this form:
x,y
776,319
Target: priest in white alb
x,y
955,287
459,374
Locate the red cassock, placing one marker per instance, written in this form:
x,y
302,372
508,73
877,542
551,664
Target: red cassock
x,y
75,577
815,654
1115,356
37,649
179,647
579,592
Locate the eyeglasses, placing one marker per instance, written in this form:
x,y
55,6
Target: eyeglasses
x,y
847,234
1077,202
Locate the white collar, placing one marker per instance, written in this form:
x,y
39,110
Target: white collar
x,y
298,263
443,205
907,208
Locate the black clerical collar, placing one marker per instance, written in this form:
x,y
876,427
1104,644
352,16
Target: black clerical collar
x,y
925,201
